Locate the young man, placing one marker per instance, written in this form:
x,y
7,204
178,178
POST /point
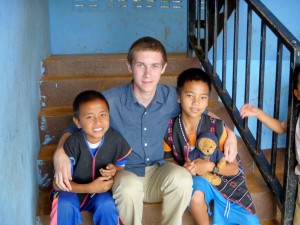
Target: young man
x,y
140,111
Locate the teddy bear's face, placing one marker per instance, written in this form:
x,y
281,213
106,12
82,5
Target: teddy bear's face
x,y
207,146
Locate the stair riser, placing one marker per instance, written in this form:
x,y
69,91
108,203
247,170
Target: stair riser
x,y
79,66
265,205
61,92
45,175
51,127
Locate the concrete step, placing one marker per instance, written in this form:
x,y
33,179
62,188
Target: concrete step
x,y
61,91
52,121
105,64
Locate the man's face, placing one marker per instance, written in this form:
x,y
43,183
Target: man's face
x,y
146,68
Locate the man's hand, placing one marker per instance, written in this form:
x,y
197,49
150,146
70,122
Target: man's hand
x,y
62,166
230,146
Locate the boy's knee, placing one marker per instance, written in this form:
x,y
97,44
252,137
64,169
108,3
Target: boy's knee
x,y
198,198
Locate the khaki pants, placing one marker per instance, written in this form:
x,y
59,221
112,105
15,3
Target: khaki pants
x,y
169,184
297,208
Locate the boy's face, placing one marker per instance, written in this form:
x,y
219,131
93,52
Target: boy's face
x,y
194,98
93,119
147,68
297,90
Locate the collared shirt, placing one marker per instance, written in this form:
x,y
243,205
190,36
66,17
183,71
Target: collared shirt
x,y
143,128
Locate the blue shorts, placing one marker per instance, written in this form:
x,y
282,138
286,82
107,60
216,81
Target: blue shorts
x,y
225,212
66,209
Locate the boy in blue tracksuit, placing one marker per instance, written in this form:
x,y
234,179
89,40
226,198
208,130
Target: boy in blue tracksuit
x,y
96,153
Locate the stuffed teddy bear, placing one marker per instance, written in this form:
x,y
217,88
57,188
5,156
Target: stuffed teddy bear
x,y
207,148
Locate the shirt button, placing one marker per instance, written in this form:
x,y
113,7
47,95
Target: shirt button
x,y
147,159
145,128
146,144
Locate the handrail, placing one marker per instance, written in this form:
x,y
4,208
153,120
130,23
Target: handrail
x,y
207,19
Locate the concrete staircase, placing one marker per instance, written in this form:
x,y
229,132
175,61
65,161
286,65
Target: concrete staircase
x,y
67,75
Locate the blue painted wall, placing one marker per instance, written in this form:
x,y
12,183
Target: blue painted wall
x,y
110,28
24,42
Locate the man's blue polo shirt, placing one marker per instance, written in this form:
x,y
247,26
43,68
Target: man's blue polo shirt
x,y
143,128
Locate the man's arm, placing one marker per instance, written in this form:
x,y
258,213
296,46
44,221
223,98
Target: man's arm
x,y
62,165
230,145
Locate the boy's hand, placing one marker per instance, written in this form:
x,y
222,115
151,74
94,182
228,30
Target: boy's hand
x,y
190,167
101,184
248,110
109,171
202,166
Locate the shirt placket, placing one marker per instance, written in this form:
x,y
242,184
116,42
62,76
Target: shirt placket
x,y
145,136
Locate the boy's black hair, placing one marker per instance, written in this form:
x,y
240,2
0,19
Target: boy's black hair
x,y
84,97
193,74
145,44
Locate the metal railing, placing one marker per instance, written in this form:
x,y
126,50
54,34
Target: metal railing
x,y
207,31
